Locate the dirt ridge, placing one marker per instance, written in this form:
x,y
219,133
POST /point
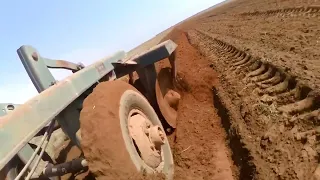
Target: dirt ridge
x,y
312,11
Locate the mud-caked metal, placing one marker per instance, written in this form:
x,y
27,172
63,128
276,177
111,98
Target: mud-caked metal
x,y
61,101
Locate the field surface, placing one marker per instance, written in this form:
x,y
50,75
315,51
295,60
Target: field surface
x,y
252,109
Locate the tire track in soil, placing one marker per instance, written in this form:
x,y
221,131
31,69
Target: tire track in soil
x,y
310,11
291,42
198,144
276,116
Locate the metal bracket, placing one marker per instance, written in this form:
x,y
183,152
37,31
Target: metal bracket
x,y
149,57
36,68
62,64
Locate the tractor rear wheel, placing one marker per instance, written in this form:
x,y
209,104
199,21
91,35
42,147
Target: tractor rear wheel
x,y
121,135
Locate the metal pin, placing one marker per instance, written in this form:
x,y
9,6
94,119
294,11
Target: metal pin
x,y
35,56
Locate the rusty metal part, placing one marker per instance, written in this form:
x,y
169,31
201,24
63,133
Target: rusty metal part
x,y
167,98
62,64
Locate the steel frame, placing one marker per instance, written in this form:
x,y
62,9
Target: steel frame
x,y
62,100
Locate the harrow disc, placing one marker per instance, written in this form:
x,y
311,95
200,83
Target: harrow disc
x,y
167,98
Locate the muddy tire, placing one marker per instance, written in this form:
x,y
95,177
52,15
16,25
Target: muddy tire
x,y
106,142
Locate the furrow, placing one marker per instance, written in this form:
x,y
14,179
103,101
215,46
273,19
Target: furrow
x,y
269,79
309,11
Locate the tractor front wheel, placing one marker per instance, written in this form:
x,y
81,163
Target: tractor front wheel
x,y
121,135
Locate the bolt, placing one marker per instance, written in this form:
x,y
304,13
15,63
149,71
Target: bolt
x,y
160,133
146,131
35,56
53,83
156,136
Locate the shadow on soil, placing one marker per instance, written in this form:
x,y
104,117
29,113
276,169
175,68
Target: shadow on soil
x,y
240,154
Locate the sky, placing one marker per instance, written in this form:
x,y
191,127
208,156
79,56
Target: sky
x,y
79,31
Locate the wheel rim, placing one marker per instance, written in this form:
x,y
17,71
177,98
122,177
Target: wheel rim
x,y
147,138
166,166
